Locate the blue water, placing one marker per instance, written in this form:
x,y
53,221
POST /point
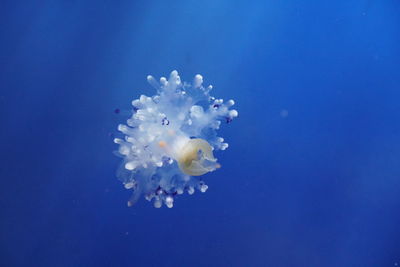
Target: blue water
x,y
318,187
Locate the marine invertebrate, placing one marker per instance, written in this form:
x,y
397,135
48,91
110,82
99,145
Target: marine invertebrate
x,y
170,138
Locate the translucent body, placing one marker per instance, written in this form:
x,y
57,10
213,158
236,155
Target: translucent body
x,y
170,138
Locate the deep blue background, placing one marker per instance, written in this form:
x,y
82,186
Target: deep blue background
x,y
320,187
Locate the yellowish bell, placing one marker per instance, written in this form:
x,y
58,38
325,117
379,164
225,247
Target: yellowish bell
x,y
196,158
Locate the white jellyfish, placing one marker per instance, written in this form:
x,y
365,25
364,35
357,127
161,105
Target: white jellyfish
x,y
170,138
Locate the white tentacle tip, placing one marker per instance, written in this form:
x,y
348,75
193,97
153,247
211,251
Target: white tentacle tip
x,y
230,103
233,113
198,81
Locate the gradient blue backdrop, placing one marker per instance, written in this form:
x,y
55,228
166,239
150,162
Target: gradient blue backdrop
x,y
320,187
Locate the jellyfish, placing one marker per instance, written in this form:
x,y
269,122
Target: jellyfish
x,y
168,142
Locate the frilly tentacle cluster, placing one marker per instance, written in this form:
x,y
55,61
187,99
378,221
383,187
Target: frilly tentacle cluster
x,y
157,133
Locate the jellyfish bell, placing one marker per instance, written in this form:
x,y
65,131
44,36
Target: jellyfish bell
x,y
196,158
